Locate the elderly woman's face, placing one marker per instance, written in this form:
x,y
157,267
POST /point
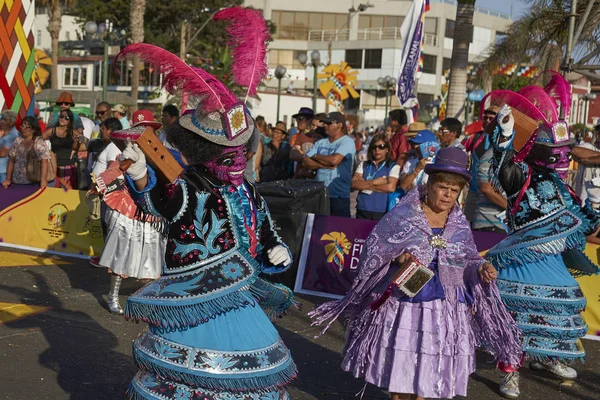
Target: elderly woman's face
x,y
442,196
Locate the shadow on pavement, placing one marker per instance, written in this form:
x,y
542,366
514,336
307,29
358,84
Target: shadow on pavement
x,y
80,351
319,371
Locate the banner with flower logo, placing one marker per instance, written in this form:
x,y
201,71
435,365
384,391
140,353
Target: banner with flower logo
x,y
49,220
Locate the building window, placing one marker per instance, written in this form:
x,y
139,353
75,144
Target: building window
x,y
430,26
393,22
354,58
39,38
450,29
373,58
446,62
379,21
429,63
292,25
75,76
424,100
287,58
68,35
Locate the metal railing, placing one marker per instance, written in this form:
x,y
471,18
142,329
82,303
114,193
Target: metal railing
x,y
391,33
328,35
430,39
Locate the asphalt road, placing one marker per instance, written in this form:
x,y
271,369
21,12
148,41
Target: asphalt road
x,y
76,349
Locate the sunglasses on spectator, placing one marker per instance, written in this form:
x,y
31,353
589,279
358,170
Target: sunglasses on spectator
x,y
443,130
26,126
488,117
380,146
101,112
63,104
62,116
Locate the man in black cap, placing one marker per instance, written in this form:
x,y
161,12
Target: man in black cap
x,y
303,119
332,159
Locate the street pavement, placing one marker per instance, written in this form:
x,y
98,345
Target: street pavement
x,y
58,341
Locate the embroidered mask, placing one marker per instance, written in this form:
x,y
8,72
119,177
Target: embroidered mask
x,y
229,166
558,160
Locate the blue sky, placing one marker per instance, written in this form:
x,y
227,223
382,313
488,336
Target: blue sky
x,y
518,6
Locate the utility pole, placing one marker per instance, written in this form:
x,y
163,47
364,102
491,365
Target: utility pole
x,y
182,44
182,53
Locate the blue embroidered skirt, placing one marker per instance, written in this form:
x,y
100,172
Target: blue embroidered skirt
x,y
237,355
208,336
546,302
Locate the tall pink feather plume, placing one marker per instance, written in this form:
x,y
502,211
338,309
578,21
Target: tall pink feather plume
x,y
178,75
542,101
513,99
559,89
248,38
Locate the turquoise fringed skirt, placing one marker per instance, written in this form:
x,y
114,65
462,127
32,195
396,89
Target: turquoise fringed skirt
x,y
235,355
546,302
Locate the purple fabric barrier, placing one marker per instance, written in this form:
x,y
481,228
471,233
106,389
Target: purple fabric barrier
x,y
14,194
328,266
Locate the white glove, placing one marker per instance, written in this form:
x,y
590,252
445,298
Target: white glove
x,y
137,170
279,255
507,127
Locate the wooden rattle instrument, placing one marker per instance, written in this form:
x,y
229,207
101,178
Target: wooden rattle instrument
x,y
157,155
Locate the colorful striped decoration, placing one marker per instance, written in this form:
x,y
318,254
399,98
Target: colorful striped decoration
x,y
17,59
528,72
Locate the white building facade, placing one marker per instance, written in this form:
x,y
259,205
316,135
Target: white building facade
x,y
370,42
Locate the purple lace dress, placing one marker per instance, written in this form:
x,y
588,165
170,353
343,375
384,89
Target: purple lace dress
x,y
425,345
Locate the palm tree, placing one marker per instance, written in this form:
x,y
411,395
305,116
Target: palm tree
x,y
540,37
463,34
136,26
55,11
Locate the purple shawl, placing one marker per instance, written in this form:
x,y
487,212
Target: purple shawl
x,y
405,228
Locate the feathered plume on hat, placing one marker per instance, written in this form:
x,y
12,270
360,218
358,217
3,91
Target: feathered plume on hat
x,y
541,105
220,117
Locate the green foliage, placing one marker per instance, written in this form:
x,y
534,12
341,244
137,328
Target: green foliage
x,y
506,82
162,22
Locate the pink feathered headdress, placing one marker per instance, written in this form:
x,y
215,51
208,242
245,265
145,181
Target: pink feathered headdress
x,y
543,106
220,117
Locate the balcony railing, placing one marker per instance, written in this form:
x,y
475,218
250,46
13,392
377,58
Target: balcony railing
x,y
430,40
391,33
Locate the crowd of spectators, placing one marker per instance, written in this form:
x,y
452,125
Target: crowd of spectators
x,y
380,163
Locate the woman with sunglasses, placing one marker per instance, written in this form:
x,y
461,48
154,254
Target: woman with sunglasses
x,y
61,142
375,178
30,140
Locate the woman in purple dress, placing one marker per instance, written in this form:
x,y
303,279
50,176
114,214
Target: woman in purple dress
x,y
424,346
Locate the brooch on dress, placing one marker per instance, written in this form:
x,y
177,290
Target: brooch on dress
x,y
437,242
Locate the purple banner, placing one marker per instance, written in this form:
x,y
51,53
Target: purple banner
x,y
406,79
331,250
15,193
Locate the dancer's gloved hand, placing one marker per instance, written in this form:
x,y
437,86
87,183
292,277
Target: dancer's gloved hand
x,y
137,170
279,255
506,121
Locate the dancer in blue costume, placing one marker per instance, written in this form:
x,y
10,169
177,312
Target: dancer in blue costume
x,y
538,262
209,335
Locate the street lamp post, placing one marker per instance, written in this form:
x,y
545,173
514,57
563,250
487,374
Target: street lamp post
x,y
279,74
104,30
387,83
315,61
315,58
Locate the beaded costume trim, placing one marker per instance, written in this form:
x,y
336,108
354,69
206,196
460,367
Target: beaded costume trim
x,y
205,361
146,386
